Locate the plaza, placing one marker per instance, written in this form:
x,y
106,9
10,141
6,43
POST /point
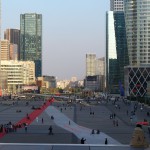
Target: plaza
x,y
71,122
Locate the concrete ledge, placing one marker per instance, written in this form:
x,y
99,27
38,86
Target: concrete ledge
x,y
29,146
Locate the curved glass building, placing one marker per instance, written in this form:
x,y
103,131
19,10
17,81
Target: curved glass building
x,y
116,46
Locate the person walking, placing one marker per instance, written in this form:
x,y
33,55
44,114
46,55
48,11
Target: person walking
x,y
37,119
26,127
42,120
92,132
50,130
106,141
149,130
117,123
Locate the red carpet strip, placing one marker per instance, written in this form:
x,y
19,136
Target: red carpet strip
x,y
32,116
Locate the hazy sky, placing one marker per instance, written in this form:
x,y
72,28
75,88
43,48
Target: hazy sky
x,y
71,28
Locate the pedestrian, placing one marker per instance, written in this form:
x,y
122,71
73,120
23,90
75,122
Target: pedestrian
x,y
114,115
83,141
149,130
98,132
117,123
93,132
42,120
26,127
114,123
106,141
28,116
37,119
52,117
50,130
69,122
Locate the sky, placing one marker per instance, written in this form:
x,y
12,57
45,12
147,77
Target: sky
x,y
71,29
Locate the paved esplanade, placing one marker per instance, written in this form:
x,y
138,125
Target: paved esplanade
x,y
38,132
63,121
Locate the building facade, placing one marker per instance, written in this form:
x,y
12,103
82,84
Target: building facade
x,y
116,47
137,18
94,72
5,49
116,5
13,51
90,64
136,80
31,40
18,73
101,72
92,83
47,81
13,36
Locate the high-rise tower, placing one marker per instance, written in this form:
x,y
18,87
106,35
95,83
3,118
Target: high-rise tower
x,y
31,40
137,15
90,64
116,46
13,36
137,18
116,5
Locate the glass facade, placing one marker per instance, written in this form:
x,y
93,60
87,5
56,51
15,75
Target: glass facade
x,y
116,50
31,40
121,44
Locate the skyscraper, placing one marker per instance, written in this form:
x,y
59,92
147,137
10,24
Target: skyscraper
x,y
137,18
4,49
137,14
31,40
116,46
116,5
90,64
13,36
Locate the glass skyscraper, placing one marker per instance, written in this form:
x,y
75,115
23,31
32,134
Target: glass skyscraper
x,y
31,40
116,46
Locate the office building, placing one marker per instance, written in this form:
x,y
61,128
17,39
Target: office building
x,y
116,47
18,73
13,51
100,66
137,18
116,5
5,50
100,70
47,82
90,64
31,40
13,36
93,72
